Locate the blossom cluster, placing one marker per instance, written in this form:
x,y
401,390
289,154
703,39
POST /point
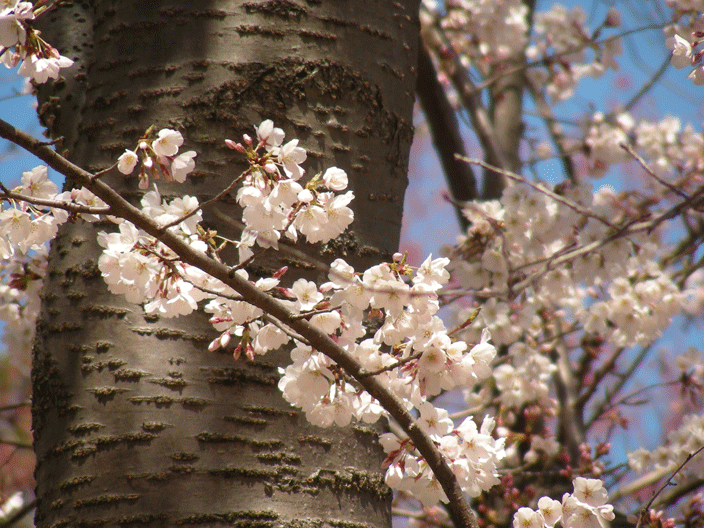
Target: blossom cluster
x,y
586,507
274,201
21,43
144,270
499,30
682,39
612,291
561,41
411,351
671,150
21,279
26,227
25,230
683,442
158,156
414,356
473,454
484,33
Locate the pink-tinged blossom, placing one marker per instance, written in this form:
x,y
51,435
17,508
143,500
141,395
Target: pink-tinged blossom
x,y
291,156
40,70
12,29
15,224
36,183
307,294
681,51
127,162
433,420
167,142
310,221
527,518
433,272
269,337
551,510
270,136
328,322
182,165
341,274
285,193
335,179
697,75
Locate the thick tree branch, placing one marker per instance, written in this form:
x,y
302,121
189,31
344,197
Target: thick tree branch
x,y
444,129
482,125
460,511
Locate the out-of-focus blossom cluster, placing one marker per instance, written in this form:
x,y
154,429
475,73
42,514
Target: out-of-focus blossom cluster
x,y
569,50
672,151
20,43
562,49
498,29
683,442
25,230
684,35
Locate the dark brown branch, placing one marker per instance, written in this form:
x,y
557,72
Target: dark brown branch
x,y
623,379
13,406
444,129
435,39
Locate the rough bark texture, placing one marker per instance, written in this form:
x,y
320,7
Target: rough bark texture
x,y
136,423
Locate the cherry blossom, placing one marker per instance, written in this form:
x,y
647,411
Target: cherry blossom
x,y
167,142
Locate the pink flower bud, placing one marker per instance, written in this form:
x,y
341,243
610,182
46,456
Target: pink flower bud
x,y
613,18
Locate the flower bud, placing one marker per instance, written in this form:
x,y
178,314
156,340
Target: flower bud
x,y
613,18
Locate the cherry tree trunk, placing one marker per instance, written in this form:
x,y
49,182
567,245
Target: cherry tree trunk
x,y
136,423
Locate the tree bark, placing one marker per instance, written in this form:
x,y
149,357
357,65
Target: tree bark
x,y
135,422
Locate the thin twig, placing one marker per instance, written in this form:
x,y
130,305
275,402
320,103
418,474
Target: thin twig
x,y
641,161
71,207
15,443
205,204
623,379
547,192
387,368
668,482
104,171
13,406
648,85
